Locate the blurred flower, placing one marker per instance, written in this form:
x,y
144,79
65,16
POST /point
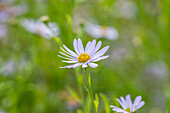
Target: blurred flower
x,y
44,19
84,57
157,69
71,99
9,67
125,9
49,30
127,105
2,112
73,103
98,31
8,11
3,30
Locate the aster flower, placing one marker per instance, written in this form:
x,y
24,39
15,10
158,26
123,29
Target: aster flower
x,y
98,31
127,105
38,27
83,56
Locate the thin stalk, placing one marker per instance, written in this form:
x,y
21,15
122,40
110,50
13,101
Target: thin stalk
x,y
80,88
89,88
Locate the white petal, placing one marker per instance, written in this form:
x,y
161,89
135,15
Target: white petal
x,y
80,46
124,102
96,48
140,104
91,48
128,100
71,52
87,46
118,109
137,100
72,66
133,108
72,61
111,33
93,65
100,53
65,51
112,106
84,65
76,47
101,58
124,107
65,57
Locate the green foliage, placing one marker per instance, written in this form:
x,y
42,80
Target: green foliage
x,y
106,102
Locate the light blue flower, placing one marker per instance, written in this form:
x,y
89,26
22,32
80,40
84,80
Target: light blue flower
x,y
127,105
83,56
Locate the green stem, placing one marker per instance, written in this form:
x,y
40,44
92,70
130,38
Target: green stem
x,y
80,83
89,88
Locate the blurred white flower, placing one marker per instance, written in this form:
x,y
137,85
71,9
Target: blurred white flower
x,y
83,56
125,9
98,31
158,69
127,105
50,30
9,67
3,30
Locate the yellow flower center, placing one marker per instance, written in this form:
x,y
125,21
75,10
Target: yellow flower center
x,y
84,57
128,109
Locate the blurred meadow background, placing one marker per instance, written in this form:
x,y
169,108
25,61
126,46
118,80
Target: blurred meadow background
x,y
139,63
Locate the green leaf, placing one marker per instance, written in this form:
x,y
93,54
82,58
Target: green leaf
x,y
89,81
87,89
88,104
79,111
72,92
167,110
69,20
96,102
106,103
57,39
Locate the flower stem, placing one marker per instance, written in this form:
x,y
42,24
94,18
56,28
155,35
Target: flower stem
x,y
89,88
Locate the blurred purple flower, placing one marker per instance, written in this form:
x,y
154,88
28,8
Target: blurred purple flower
x,y
50,30
157,69
8,10
98,31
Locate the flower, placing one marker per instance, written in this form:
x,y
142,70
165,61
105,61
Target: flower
x,y
127,105
157,69
9,11
98,31
37,27
84,57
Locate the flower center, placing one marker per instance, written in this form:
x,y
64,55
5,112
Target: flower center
x,y
103,30
128,110
84,57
